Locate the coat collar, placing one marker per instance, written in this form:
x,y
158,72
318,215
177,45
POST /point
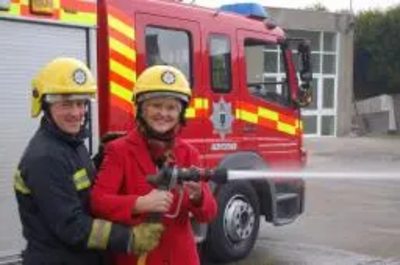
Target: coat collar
x,y
138,146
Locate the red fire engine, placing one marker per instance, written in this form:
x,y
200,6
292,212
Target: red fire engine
x,y
242,116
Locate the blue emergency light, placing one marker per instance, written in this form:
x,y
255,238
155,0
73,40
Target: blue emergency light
x,y
252,10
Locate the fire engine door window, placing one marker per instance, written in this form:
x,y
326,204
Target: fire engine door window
x,y
169,47
220,63
266,72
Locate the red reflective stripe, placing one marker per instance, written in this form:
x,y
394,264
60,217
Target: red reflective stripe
x,y
120,80
287,119
122,59
248,107
121,104
267,123
81,6
26,12
121,38
120,15
201,113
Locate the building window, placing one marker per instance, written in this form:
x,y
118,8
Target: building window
x,y
319,117
328,125
169,47
328,93
220,62
310,124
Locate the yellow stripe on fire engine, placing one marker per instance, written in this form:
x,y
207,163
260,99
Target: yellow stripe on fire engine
x,y
80,17
246,116
122,48
15,9
121,27
268,114
190,113
122,70
121,92
286,128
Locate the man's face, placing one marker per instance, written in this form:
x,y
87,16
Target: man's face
x,y
162,114
68,115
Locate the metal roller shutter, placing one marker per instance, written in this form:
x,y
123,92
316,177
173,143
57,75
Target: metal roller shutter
x,y
24,48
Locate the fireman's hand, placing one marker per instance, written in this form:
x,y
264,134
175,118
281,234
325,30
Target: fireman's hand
x,y
157,201
195,192
146,237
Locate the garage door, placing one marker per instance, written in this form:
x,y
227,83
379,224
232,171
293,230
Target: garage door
x,y
24,48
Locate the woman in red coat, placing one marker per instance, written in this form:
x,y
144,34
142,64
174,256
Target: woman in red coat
x,y
121,192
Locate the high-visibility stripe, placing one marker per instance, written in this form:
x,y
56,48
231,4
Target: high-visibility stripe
x,y
268,114
82,6
19,184
190,113
121,37
99,234
267,123
82,12
121,92
198,103
81,179
122,59
120,16
287,119
284,127
80,17
120,80
248,116
15,8
122,70
121,26
122,48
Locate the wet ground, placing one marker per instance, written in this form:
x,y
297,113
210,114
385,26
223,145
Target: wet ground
x,y
346,221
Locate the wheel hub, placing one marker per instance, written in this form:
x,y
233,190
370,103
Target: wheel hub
x,y
238,219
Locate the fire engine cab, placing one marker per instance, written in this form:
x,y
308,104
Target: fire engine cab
x,y
240,117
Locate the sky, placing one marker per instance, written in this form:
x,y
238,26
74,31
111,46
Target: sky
x,y
332,5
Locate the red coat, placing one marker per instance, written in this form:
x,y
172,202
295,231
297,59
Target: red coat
x,y
122,178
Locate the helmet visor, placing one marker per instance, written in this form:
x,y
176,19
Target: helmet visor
x,y
53,98
161,94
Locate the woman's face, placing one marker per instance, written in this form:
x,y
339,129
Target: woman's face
x,y
162,114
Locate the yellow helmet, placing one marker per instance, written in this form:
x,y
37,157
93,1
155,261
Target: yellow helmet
x,y
62,76
162,80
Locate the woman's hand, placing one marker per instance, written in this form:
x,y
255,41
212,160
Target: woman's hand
x,y
157,201
195,192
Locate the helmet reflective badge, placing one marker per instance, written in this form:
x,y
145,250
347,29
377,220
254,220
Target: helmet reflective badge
x,y
168,77
79,77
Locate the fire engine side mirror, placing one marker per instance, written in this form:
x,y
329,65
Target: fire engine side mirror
x,y
304,97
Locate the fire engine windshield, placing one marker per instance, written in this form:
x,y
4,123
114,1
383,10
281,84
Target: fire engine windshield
x,y
266,72
169,47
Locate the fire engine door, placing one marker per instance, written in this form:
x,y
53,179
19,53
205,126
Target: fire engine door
x,y
266,106
176,42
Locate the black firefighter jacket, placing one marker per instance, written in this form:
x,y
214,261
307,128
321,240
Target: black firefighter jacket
x,y
52,188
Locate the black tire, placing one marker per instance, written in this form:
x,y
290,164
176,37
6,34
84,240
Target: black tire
x,y
220,245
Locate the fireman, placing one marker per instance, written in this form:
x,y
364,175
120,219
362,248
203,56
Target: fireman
x,y
55,173
122,193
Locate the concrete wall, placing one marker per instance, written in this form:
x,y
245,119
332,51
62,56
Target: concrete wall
x,y
295,19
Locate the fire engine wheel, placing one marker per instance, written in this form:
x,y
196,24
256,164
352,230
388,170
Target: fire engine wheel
x,y
233,234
